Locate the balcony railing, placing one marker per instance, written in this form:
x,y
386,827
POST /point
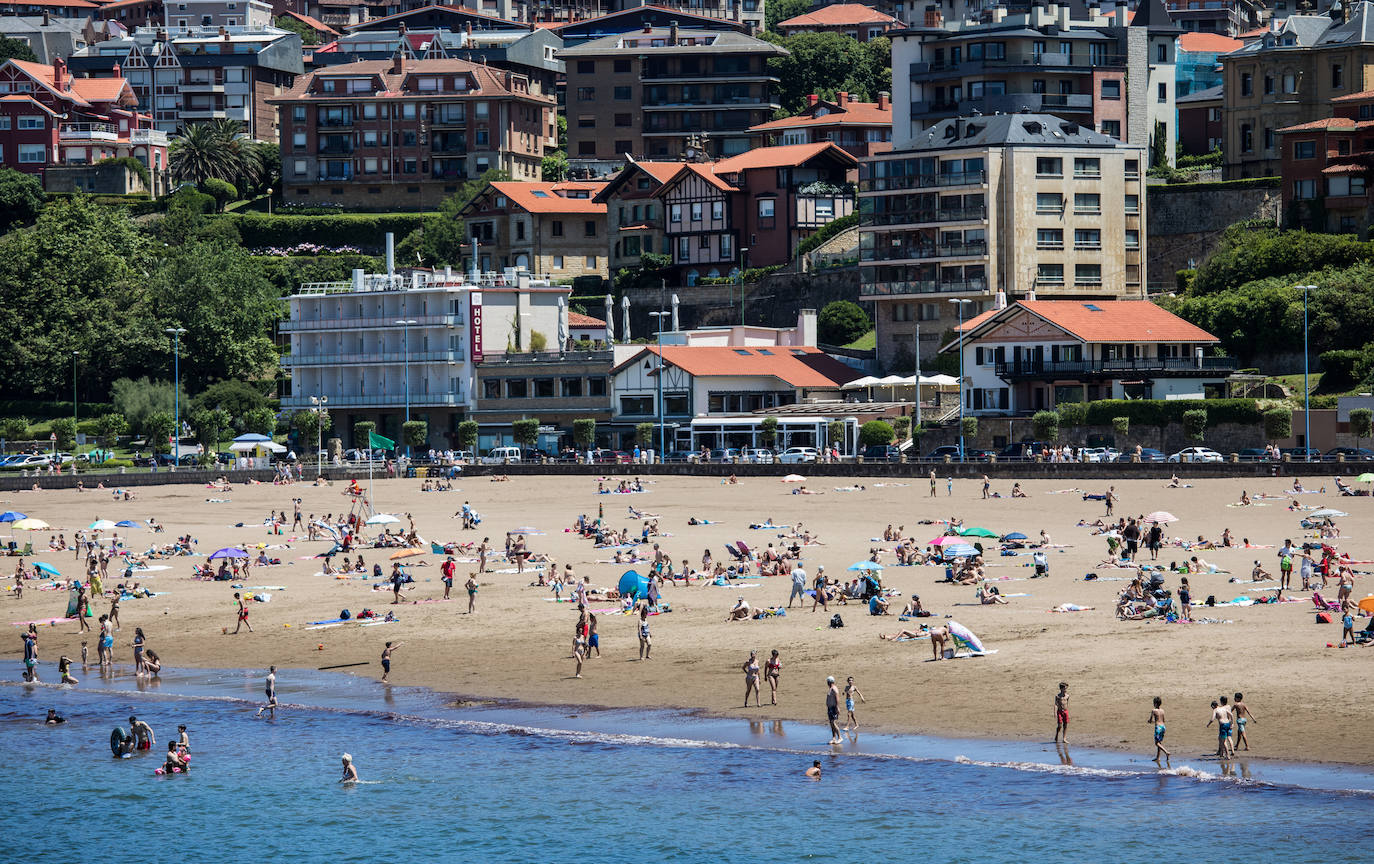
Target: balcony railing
x,y
1007,103
932,250
338,148
397,399
923,181
88,131
917,217
915,286
343,322
335,176
446,120
1031,368
1041,59
323,120
307,359
149,137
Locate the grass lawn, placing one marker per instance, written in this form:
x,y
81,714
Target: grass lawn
x,y
866,342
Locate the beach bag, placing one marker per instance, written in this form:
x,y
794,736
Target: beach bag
x,y
1323,617
344,614
836,621
1211,600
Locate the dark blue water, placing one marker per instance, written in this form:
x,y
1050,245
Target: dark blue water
x,y
447,782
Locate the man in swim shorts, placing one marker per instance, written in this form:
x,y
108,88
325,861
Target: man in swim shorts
x,y
143,734
1061,713
1157,720
832,708
814,772
1221,715
386,659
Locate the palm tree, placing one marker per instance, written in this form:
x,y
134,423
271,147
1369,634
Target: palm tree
x,y
217,149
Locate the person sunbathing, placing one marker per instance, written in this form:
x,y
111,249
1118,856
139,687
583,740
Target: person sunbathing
x,y
988,595
740,611
902,635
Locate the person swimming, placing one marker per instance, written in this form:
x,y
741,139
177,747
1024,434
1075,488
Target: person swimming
x,y
350,773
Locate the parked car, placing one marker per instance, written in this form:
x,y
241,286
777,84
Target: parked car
x,y
615,457
1197,454
1147,454
1098,454
939,453
1302,454
679,456
30,461
726,454
1026,449
977,454
882,453
1351,454
1253,454
758,456
798,455
501,456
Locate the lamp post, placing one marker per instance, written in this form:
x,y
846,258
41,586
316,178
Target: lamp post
x,y
405,328
74,417
176,392
918,376
662,441
1306,389
959,302
319,402
743,256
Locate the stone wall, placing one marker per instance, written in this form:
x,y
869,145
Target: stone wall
x,y
1185,224
772,302
994,433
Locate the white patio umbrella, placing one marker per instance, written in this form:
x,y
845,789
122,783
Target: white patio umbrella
x,y
382,519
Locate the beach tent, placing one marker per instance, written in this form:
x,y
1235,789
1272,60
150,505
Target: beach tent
x,y
633,585
256,449
964,637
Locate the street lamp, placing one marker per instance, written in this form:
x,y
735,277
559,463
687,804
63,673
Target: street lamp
x,y
662,441
319,402
405,327
743,255
176,392
1306,389
74,417
960,303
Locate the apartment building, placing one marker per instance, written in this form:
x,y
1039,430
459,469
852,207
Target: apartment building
x,y
1088,67
184,76
50,37
1198,66
377,344
581,29
989,208
848,19
634,213
403,134
1325,168
50,119
1288,77
858,128
1225,17
659,93
746,12
1199,122
185,14
554,228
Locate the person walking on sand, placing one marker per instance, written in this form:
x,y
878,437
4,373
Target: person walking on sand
x,y
772,670
1243,716
271,688
397,580
850,691
447,570
645,641
1110,499
242,614
579,655
386,659
1157,720
798,585
1286,565
471,585
932,482
751,679
1061,713
987,487
593,638
820,591
1222,716
832,708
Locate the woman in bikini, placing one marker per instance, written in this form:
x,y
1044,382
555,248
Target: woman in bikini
x,y
751,678
772,670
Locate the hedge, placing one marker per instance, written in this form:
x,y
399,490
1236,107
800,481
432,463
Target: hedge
x,y
1250,183
366,231
39,410
1161,412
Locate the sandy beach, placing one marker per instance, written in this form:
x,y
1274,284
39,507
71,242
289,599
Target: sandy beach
x,y
1305,695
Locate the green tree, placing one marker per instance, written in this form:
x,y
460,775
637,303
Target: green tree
x,y
311,425
16,49
1195,423
969,426
362,434
210,425
21,197
584,432
648,273
841,322
138,399
259,421
875,433
525,431
308,34
783,10
157,427
234,396
554,167
901,426
1338,369
65,430
467,435
834,433
221,190
1046,425
1278,423
644,434
14,428
1121,426
415,433
442,239
825,64
109,427
768,431
1361,424
217,149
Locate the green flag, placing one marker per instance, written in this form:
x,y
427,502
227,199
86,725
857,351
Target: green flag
x,y
377,442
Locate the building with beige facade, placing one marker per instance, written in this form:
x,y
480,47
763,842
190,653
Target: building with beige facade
x,y
991,209
557,229
1288,77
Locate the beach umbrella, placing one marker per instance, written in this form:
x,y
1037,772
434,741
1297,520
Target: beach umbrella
x,y
976,532
524,529
1326,513
1367,605
1015,535
1366,477
44,567
866,566
382,519
30,525
794,478
405,553
959,550
127,523
100,525
11,516
944,539
228,552
1161,516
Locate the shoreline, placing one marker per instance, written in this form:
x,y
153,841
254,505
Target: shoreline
x,y
672,727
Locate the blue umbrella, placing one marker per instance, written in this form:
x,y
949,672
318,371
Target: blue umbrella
x,y
229,552
1015,535
11,516
865,565
127,523
46,568
958,550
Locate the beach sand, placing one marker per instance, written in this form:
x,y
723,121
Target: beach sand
x,y
1308,698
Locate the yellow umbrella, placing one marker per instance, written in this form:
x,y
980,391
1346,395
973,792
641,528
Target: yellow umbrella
x,y
1367,604
30,525
406,553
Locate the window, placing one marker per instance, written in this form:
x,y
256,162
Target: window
x,y
1163,93
1049,167
1132,204
1337,76
675,213
590,262
623,146
543,388
491,388
1111,89
558,262
1111,128
1247,84
696,212
586,67
1087,202
622,94
717,210
1269,139
1049,274
1132,169
1162,52
516,388
1087,274
727,247
1304,149
1087,238
1247,138
589,228
557,228
586,122
298,113
1290,83
1349,185
408,166
1268,85
766,213
623,120
596,386
32,121
520,230
298,140
300,166
704,241
1049,238
1087,167
1048,202
33,153
1303,190
370,165
586,148
586,94
4,120
639,405
571,386
622,67
1132,238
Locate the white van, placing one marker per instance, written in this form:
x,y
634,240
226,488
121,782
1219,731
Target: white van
x,y
502,456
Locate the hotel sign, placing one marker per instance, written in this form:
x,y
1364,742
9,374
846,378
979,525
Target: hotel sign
x,y
475,333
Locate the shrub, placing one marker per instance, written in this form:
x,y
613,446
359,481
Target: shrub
x,y
1361,423
1338,368
1121,426
875,433
467,435
114,464
830,229
1072,413
841,322
968,427
584,432
366,231
415,433
262,421
538,341
768,431
644,434
362,434
1162,412
835,432
65,430
525,431
1195,423
14,428
1046,425
901,426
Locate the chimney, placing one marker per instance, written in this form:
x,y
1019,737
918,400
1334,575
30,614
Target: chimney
x,y
812,99
1064,17
672,33
934,17
398,64
118,72
45,19
884,100
59,73
841,98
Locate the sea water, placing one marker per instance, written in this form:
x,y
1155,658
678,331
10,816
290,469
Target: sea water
x,y
451,781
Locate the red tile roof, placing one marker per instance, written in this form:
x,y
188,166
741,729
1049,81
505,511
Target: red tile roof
x,y
577,319
1324,123
1116,321
1208,43
544,197
850,114
838,15
489,79
976,321
660,171
799,366
1356,97
313,23
786,156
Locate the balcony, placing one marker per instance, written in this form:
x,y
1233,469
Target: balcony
x,y
329,121
669,77
1007,103
148,137
336,148
448,121
452,148
88,132
1158,366
392,400
759,102
360,358
1037,60
355,323
204,113
336,175
201,86
921,217
975,249
920,287
924,181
